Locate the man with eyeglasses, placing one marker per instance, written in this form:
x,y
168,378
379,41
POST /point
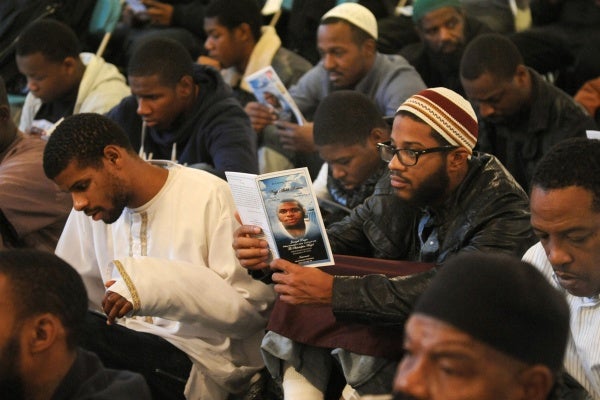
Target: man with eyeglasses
x,y
439,199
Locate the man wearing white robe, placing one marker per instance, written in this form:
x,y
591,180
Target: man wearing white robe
x,y
152,245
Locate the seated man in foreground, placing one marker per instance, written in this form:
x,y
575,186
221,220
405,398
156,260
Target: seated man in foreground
x,y
565,216
489,327
147,238
43,306
440,198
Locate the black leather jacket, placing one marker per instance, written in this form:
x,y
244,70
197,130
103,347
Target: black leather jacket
x,y
521,142
487,212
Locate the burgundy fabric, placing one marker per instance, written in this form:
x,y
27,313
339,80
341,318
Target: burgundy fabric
x,y
317,326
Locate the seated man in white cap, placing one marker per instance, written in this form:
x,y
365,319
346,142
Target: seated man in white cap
x,y
488,327
346,39
439,199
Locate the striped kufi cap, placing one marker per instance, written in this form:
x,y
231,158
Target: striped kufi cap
x,y
448,113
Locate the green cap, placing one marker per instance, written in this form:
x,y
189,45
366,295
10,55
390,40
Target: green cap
x,y
422,7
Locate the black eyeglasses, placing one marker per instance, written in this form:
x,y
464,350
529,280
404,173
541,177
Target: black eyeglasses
x,y
407,157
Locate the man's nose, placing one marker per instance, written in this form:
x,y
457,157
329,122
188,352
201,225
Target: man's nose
x,y
486,110
208,45
445,34
142,108
33,87
337,172
79,201
395,164
410,379
328,62
557,254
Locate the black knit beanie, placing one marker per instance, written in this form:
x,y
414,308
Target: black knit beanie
x,y
503,302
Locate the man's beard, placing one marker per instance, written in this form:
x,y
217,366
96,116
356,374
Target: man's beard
x,y
119,200
432,189
12,386
449,61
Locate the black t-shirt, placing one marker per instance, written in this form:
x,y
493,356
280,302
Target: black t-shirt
x,y
58,109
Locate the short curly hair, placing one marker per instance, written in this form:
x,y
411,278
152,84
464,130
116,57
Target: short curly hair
x,y
571,162
82,137
55,40
163,57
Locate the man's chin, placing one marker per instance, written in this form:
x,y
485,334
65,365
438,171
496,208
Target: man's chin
x,y
403,195
340,85
110,219
449,51
111,216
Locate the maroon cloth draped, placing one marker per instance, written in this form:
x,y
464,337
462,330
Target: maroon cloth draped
x,y
316,325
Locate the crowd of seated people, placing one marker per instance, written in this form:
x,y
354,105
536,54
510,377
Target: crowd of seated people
x,y
453,137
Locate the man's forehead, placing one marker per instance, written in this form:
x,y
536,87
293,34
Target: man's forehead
x,y
152,82
433,332
339,31
339,150
406,128
438,17
562,209
287,204
74,172
564,195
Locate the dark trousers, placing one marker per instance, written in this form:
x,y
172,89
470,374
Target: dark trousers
x,y
165,367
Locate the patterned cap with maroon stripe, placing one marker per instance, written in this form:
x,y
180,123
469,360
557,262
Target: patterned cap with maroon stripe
x,y
448,113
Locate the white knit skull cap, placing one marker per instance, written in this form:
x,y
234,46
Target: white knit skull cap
x,y
356,14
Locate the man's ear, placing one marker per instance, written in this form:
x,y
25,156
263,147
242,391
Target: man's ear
x,y
242,32
370,46
378,135
537,382
457,158
185,86
521,75
42,331
70,64
113,155
4,113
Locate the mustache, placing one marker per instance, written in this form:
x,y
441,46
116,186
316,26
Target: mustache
x,y
90,211
398,175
